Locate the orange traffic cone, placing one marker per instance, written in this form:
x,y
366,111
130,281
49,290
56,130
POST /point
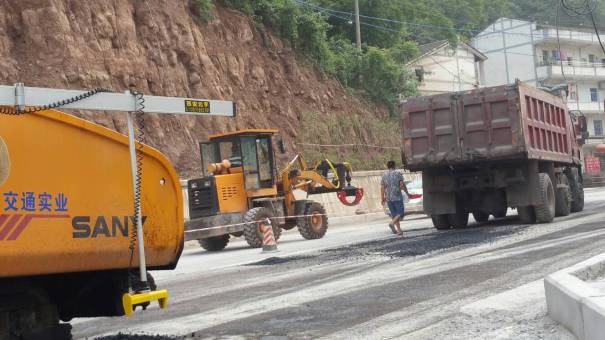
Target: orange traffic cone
x,y
269,244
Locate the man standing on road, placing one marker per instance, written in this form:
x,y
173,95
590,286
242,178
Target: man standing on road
x,y
390,190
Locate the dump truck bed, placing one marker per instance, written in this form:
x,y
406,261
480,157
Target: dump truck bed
x,y
488,124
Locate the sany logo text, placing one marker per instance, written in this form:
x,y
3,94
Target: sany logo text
x,y
101,226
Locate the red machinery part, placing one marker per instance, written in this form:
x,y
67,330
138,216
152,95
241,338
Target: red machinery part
x,y
342,196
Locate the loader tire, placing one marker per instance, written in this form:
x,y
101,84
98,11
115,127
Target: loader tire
x,y
458,220
545,211
252,231
577,204
563,198
214,243
480,216
441,222
314,226
527,214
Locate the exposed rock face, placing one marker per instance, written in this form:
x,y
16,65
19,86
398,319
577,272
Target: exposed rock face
x,y
162,48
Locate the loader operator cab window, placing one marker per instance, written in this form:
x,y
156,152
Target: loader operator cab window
x,y
258,162
230,151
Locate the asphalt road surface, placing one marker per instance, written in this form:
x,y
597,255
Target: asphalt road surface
x,y
361,282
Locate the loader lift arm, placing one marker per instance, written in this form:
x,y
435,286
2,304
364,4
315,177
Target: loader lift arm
x,y
314,180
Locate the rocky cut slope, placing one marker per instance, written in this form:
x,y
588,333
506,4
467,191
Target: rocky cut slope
x,y
163,48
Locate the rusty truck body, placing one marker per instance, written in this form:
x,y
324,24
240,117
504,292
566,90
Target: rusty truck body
x,y
490,149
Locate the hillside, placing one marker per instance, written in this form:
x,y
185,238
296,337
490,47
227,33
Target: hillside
x,y
163,48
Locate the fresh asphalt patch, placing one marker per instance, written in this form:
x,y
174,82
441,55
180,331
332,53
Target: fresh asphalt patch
x,y
413,243
122,336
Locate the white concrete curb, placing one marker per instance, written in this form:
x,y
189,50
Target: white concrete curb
x,y
576,304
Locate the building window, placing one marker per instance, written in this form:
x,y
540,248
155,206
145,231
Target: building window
x,y
598,127
555,54
594,95
591,58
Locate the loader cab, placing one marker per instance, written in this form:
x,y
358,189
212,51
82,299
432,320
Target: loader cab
x,y
238,167
248,152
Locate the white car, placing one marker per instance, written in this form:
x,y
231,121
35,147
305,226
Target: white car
x,y
413,204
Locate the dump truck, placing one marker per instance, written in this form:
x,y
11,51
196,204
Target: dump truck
x,y
242,191
85,210
489,149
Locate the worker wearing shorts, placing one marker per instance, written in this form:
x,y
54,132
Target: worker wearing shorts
x,y
390,189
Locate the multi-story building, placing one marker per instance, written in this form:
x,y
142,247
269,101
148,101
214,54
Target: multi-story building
x,y
530,52
443,68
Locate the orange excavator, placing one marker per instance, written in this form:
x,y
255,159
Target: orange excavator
x,y
84,211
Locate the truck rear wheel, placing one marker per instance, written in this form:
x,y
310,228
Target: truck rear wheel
x,y
252,230
440,222
563,198
458,220
545,212
480,216
215,243
316,225
577,204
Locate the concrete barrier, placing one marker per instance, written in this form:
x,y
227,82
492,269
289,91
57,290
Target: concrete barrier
x,y
369,208
575,302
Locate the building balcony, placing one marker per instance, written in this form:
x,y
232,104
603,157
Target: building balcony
x,y
576,38
572,69
586,107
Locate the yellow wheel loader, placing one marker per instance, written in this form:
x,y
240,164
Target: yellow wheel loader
x,y
242,188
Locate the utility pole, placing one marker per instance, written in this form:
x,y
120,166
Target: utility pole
x,y
357,25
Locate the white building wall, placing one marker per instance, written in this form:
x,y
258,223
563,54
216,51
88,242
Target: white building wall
x,y
508,45
448,70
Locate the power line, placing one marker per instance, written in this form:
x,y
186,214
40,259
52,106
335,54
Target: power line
x,y
332,11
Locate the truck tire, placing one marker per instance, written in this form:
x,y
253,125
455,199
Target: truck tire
x,y
577,204
458,220
252,231
313,227
441,222
545,212
480,216
214,243
527,214
563,198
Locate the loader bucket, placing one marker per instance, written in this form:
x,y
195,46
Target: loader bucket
x,y
350,191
